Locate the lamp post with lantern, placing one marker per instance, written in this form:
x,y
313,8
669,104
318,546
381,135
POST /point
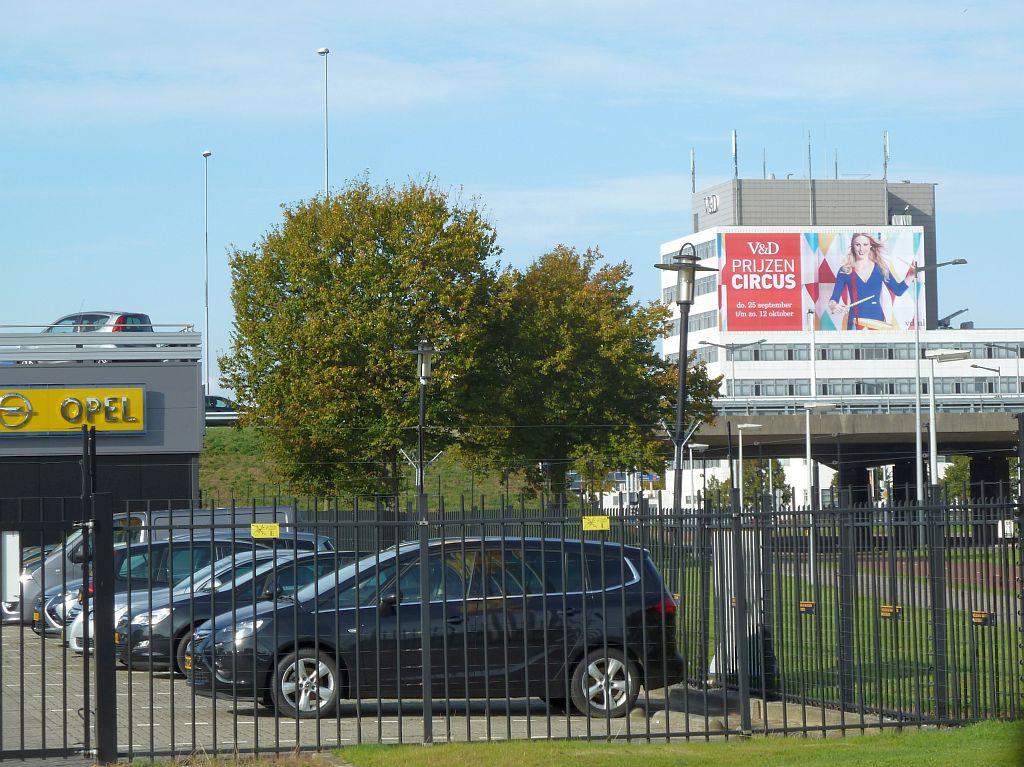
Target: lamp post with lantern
x,y
424,351
684,264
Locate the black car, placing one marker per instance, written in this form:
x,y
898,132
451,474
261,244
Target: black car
x,y
159,635
585,621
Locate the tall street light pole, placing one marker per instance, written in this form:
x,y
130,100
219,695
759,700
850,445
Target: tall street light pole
x,y
700,448
730,350
933,356
327,193
206,265
918,458
812,497
424,351
684,264
742,428
813,320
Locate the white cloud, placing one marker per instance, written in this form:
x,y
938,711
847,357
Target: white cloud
x,y
150,61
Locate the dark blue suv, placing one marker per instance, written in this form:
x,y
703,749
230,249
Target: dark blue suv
x,y
563,620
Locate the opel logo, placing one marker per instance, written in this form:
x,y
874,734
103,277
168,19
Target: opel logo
x,y
15,410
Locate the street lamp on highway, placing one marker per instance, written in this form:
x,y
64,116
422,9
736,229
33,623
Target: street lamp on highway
x,y
937,355
918,458
999,379
812,407
206,265
1016,354
730,349
684,264
742,428
323,52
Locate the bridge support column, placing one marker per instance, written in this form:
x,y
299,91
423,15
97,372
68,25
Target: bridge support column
x,y
990,484
855,495
901,501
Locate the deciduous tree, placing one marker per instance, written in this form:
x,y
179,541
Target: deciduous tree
x,y
327,305
573,374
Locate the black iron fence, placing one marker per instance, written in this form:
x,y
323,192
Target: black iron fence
x,y
545,620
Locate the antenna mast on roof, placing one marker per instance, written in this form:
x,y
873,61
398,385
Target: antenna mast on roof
x,y
810,182
693,186
885,155
735,161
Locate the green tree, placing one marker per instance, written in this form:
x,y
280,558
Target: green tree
x,y
956,480
327,305
574,379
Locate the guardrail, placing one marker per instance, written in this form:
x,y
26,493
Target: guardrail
x,y
184,344
871,403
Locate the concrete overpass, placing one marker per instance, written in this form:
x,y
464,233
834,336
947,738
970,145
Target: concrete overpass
x,y
869,432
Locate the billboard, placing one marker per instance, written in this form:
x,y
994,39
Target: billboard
x,y
838,280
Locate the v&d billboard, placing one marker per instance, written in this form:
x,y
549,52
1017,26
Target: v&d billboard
x,y
837,280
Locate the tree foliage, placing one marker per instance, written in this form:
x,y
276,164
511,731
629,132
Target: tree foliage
x,y
327,305
541,368
575,378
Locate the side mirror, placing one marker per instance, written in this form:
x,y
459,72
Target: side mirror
x,y
388,602
76,555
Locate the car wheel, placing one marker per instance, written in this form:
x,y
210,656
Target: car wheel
x,y
181,650
605,683
306,685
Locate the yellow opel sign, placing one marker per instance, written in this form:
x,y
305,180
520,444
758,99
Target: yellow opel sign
x,y
43,410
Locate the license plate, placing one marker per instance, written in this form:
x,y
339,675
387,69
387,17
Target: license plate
x,y
188,662
117,637
35,617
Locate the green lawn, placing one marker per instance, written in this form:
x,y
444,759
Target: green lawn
x,y
893,659
989,744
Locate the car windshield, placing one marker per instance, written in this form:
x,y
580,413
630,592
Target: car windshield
x,y
201,579
328,582
242,575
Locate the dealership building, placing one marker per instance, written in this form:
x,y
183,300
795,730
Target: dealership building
x,y
822,292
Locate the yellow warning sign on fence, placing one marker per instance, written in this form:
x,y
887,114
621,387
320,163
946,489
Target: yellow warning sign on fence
x,y
597,523
265,530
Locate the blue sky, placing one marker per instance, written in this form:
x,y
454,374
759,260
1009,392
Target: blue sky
x,y
570,122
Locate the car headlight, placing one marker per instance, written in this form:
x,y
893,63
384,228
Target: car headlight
x,y
246,628
151,618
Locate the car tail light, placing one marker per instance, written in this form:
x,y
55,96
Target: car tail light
x,y
118,325
666,607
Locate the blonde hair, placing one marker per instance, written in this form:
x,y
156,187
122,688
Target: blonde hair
x,y
877,255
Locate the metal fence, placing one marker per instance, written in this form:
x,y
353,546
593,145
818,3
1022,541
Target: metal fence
x,y
795,621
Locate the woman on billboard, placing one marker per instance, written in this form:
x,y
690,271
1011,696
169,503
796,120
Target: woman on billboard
x,y
862,275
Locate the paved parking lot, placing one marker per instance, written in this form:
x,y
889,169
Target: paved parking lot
x,y
42,706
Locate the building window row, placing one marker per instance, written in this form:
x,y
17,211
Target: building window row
x,y
701,287
705,250
766,387
772,353
702,321
840,387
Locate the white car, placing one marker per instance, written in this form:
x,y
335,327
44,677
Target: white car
x,y
141,601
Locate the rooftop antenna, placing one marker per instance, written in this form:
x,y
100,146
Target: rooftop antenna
x,y
735,161
885,155
764,163
810,182
693,187
837,162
